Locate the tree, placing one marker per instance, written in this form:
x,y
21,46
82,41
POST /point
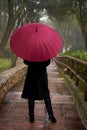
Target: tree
x,y
64,9
3,16
12,15
18,13
11,23
29,10
81,13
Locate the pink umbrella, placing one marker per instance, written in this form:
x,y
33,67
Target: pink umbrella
x,y
36,42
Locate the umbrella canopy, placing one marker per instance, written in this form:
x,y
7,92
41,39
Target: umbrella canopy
x,y
35,42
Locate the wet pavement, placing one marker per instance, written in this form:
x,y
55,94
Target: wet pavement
x,y
14,111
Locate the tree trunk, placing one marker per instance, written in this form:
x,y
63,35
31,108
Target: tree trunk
x,y
13,60
86,40
9,28
82,18
84,31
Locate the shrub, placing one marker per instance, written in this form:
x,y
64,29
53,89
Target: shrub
x,y
81,54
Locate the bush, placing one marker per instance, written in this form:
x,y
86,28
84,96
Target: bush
x,y
81,54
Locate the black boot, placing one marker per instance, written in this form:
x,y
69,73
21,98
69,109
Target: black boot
x,y
49,110
31,110
52,119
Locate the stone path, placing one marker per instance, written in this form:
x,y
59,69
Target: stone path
x,y
14,111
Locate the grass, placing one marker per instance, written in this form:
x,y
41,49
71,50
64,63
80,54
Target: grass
x,y
4,64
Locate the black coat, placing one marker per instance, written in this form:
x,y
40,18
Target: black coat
x,y
36,82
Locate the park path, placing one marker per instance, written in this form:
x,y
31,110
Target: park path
x,y
14,111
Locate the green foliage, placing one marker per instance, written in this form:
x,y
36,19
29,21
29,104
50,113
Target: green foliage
x,y
81,54
4,64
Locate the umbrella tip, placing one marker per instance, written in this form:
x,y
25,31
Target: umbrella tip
x,y
36,29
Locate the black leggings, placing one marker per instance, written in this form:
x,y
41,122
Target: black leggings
x,y
48,105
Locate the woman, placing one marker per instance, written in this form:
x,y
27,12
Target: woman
x,y
36,87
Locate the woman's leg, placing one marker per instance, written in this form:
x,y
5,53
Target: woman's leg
x,y
49,110
31,110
